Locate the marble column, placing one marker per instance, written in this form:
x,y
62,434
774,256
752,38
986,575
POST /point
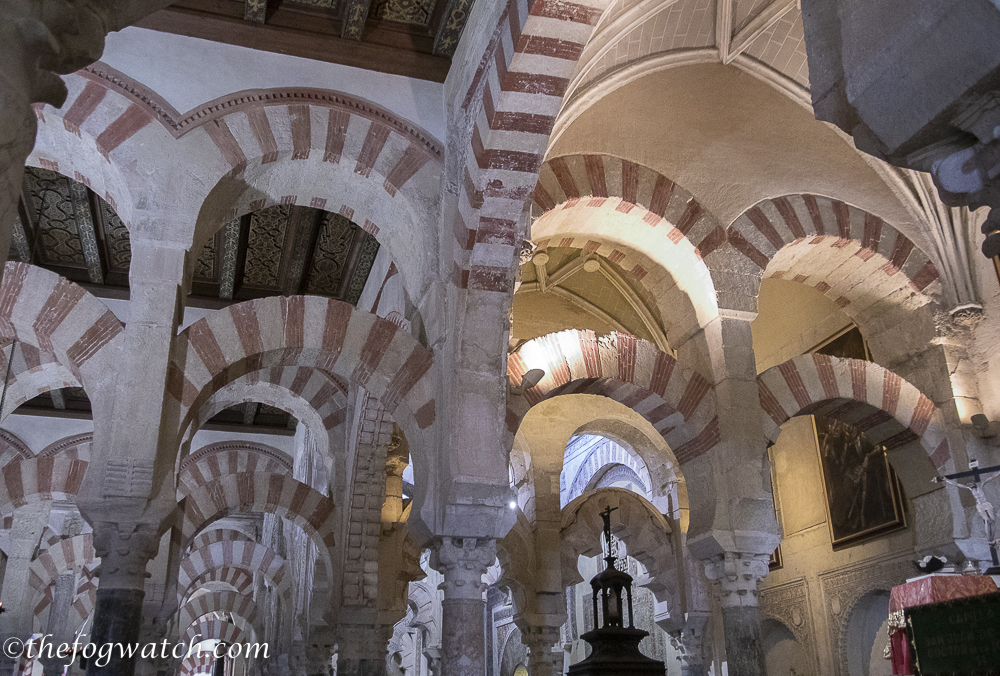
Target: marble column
x,y
545,656
736,577
463,562
28,523
118,612
689,644
62,599
397,459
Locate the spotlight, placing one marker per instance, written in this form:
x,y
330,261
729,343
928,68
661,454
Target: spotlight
x,y
513,504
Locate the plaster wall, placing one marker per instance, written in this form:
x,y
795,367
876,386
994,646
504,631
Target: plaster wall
x,y
791,318
731,140
199,71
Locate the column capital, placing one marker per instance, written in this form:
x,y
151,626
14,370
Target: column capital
x,y
463,562
736,575
124,550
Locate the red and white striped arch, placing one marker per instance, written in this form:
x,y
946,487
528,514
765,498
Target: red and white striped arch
x,y
513,100
40,479
56,316
240,605
198,663
310,147
264,492
831,245
217,460
217,629
885,407
210,535
677,401
33,372
66,554
236,579
312,396
248,556
596,180
303,331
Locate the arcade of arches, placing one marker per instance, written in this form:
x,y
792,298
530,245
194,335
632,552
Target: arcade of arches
x,y
337,333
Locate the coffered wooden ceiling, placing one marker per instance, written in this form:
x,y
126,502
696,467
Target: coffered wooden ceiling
x,y
281,250
415,38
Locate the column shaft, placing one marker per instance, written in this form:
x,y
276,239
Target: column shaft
x,y
744,653
463,637
117,621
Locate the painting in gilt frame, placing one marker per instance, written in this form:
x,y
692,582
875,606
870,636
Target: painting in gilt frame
x,y
863,496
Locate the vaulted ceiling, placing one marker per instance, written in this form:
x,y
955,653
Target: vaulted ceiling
x,y
415,38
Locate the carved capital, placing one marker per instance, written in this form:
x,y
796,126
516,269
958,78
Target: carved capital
x,y
544,655
463,562
736,576
689,641
124,550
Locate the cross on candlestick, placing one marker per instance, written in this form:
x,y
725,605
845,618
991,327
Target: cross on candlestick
x,y
606,515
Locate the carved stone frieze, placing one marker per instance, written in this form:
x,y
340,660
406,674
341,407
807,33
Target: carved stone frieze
x,y
788,604
845,587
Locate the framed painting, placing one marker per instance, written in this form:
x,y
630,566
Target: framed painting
x,y
847,343
863,497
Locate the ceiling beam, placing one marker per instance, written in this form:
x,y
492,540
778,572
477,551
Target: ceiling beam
x,y
303,229
637,304
255,11
250,412
355,18
58,400
291,31
230,256
84,218
450,26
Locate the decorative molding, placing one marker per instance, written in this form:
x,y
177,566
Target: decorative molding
x,y
179,124
224,446
65,444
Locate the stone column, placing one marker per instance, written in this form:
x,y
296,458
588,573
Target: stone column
x,y
689,644
463,562
62,598
124,553
397,459
16,595
545,655
736,577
